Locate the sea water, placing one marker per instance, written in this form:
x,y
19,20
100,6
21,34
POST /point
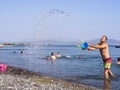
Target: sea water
x,y
75,65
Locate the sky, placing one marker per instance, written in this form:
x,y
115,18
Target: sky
x,y
62,20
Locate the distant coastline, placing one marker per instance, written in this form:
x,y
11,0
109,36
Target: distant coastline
x,y
111,42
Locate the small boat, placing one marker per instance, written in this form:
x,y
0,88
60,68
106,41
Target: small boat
x,y
117,46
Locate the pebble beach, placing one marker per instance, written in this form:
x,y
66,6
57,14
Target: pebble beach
x,y
21,79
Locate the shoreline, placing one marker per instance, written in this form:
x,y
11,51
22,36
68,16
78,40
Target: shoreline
x,y
20,79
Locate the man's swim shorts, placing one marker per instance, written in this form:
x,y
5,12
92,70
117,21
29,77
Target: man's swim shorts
x,y
107,63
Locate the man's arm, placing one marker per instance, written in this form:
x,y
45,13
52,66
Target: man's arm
x,y
98,46
91,48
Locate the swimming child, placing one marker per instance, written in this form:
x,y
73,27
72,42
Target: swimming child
x,y
118,61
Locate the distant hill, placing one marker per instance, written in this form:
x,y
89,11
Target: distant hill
x,y
55,42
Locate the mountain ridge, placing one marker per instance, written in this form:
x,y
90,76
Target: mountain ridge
x,y
56,42
94,41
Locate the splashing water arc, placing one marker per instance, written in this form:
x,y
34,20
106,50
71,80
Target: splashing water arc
x,y
55,12
47,23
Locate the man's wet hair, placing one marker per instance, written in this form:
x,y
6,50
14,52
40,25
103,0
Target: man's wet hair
x,y
105,37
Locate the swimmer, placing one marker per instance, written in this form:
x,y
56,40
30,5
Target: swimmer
x,y
22,52
47,57
118,61
78,57
14,51
52,57
58,55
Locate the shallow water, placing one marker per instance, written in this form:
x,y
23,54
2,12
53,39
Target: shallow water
x,y
75,65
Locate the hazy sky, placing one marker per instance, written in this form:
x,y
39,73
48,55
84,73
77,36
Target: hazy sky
x,y
63,20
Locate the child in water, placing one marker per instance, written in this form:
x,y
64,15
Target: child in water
x,y
118,61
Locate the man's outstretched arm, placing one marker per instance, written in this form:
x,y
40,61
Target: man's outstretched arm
x,y
97,46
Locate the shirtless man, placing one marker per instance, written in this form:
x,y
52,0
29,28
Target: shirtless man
x,y
104,51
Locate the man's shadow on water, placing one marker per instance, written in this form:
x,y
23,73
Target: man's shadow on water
x,y
107,84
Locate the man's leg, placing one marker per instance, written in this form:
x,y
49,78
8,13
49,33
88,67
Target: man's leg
x,y
110,73
106,74
107,71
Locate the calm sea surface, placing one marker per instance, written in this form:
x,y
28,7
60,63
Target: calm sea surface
x,y
75,65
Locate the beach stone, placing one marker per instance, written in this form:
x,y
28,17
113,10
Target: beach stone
x,y
20,79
